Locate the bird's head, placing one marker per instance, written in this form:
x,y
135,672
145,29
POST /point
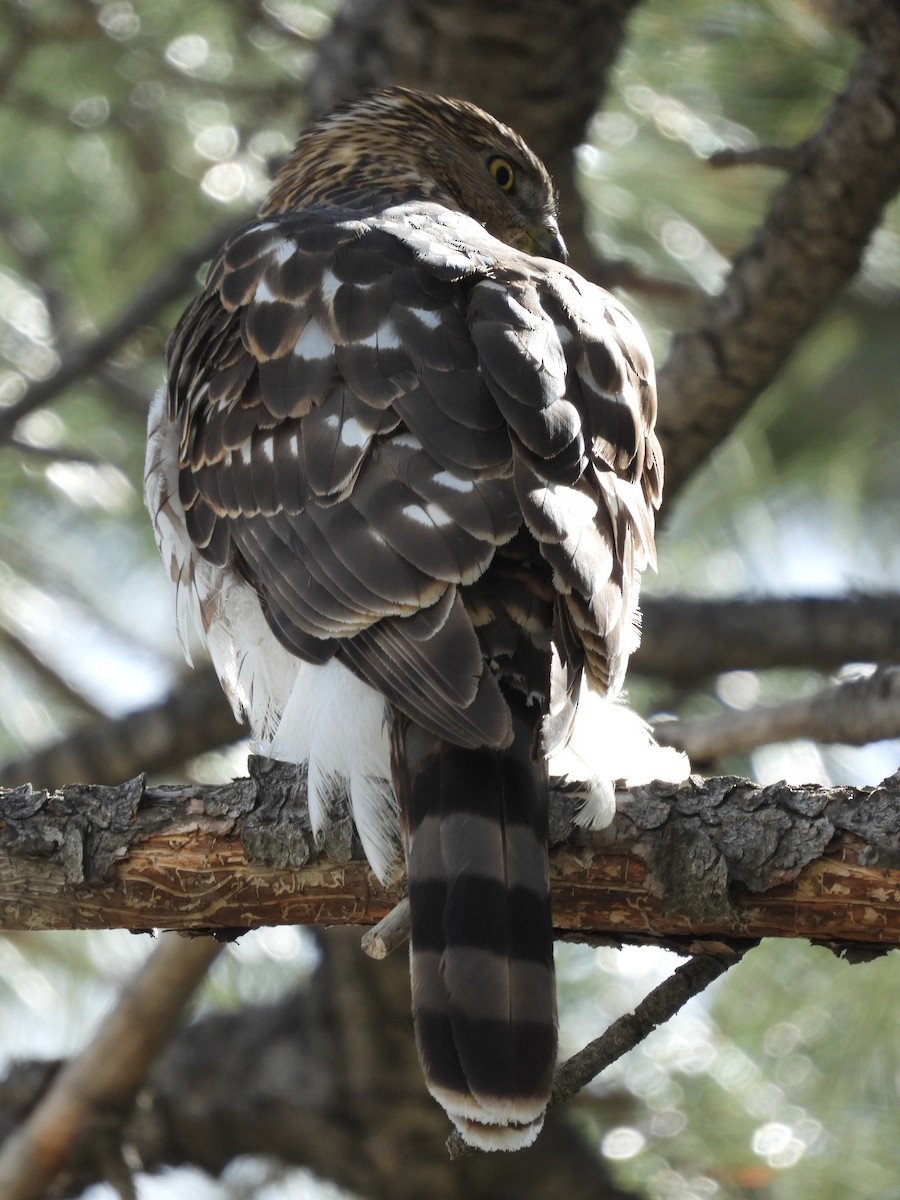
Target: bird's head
x,y
398,144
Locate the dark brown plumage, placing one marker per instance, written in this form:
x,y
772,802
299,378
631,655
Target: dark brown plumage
x,y
403,466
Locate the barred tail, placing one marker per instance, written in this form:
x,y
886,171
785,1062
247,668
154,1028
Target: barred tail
x,y
483,988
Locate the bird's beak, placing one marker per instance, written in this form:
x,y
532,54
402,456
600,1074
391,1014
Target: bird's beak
x,y
546,241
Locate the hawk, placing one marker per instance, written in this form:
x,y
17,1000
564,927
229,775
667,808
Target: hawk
x,y
404,474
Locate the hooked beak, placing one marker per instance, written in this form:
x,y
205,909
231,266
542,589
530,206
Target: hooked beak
x,y
546,241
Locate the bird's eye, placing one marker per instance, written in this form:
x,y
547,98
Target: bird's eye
x,y
502,170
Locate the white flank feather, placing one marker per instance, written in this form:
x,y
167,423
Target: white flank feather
x,y
609,744
336,723
166,511
255,670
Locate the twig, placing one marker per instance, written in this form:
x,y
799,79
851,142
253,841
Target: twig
x,y
30,243
389,933
782,158
104,1079
620,274
63,454
688,980
81,595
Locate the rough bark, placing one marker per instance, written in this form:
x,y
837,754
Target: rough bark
x,y
693,865
327,1079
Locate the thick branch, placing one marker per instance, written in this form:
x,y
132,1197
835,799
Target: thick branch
x,y
687,640
691,865
808,248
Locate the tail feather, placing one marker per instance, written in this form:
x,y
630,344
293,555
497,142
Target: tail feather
x,y
484,995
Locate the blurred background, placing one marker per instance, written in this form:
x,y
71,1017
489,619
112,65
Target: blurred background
x,y
133,136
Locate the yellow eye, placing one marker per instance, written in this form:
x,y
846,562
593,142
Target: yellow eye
x,y
502,170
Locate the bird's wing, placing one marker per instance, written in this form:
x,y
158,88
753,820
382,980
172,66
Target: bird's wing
x,y
341,451
369,408
571,373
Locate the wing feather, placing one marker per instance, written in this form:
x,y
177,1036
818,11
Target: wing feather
x,y
368,415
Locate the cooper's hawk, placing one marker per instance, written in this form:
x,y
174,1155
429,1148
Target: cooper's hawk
x,y
405,476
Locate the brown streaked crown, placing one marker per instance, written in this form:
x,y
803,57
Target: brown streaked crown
x,y
397,145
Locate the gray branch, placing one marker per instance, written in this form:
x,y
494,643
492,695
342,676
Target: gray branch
x,y
688,980
688,865
686,641
853,713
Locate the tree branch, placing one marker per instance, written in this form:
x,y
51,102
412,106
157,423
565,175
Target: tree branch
x,y
807,249
99,1085
687,981
687,640
780,158
192,719
689,865
55,683
853,713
